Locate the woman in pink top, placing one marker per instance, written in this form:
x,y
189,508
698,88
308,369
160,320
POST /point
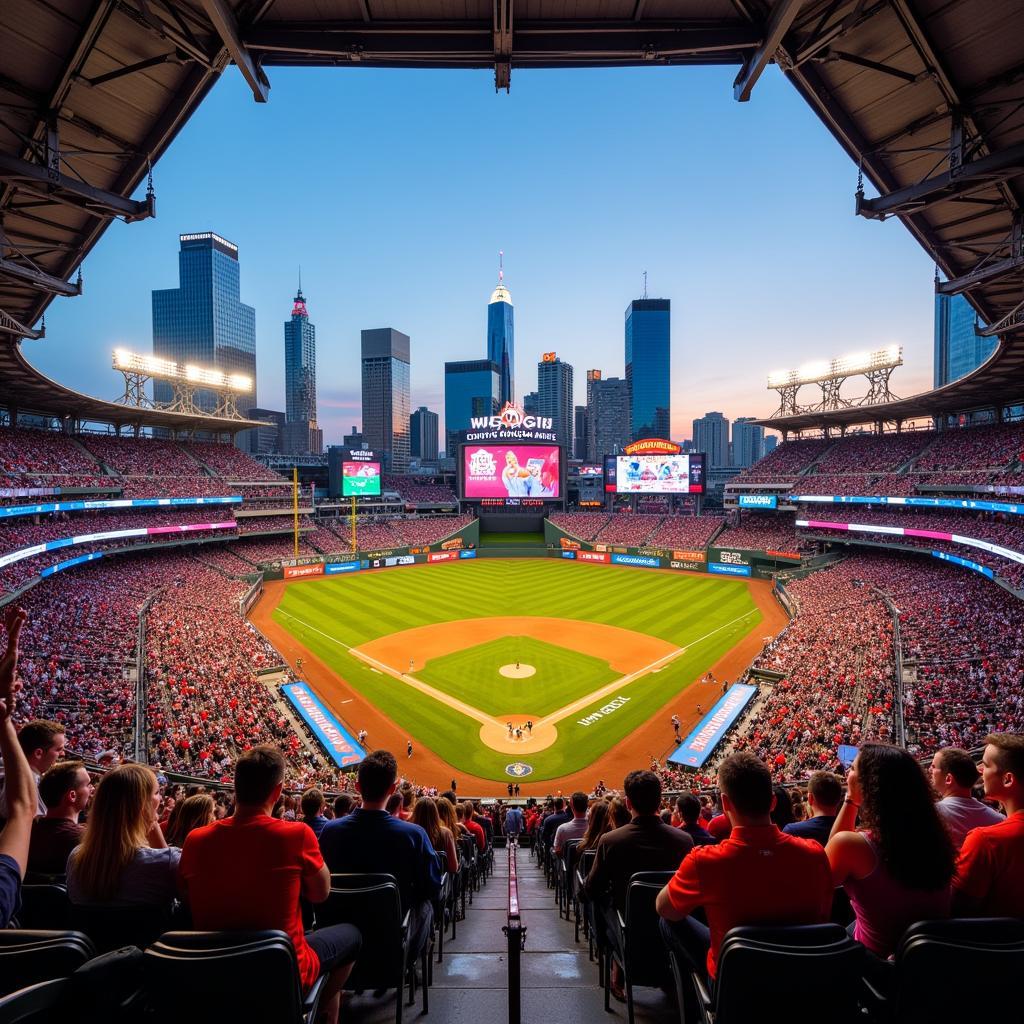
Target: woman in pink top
x,y
898,867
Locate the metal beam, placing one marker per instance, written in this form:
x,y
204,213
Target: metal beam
x,y
41,181
8,325
871,65
990,269
997,167
502,44
38,278
779,21
224,23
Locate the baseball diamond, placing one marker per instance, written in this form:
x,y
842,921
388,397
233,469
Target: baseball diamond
x,y
423,647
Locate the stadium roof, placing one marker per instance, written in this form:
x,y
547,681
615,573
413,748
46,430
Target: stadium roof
x,y
924,95
24,388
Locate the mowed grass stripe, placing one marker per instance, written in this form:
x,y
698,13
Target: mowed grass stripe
x,y
355,609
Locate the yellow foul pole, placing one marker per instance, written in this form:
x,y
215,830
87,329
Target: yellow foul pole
x,y
295,508
353,523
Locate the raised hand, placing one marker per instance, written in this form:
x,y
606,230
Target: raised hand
x,y
14,618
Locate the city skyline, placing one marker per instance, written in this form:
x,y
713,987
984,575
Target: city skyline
x,y
579,222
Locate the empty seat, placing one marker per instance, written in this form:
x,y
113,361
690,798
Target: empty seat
x,y
28,956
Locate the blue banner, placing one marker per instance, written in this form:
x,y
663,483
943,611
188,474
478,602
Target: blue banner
x,y
81,506
971,504
728,569
568,554
468,553
759,501
61,566
701,743
333,568
945,556
644,560
334,738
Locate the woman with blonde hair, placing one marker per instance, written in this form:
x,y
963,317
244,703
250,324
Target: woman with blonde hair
x,y
449,817
123,857
193,812
425,814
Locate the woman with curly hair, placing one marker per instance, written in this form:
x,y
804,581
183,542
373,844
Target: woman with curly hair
x,y
193,812
897,868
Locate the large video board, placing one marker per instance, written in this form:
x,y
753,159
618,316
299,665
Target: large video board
x,y
654,474
361,479
510,472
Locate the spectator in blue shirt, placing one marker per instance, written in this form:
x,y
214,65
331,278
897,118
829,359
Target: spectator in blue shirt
x,y
824,797
688,807
313,810
371,840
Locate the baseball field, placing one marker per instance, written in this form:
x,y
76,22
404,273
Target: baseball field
x,y
574,658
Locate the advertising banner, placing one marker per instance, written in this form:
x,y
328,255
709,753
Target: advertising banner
x,y
333,736
334,568
61,566
945,556
511,471
568,554
730,557
701,743
452,544
688,566
659,474
689,556
791,555
468,553
641,560
728,569
759,501
292,572
8,511
400,560
592,556
972,504
442,556
569,544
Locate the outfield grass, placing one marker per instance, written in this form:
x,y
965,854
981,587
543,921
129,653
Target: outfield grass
x,y
562,676
706,614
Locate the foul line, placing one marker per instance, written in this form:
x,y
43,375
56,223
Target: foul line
x,y
556,716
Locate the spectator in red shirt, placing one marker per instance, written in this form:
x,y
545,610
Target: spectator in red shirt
x,y
990,875
248,872
475,829
758,875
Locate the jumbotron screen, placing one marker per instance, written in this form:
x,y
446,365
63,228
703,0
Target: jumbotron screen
x,y
511,471
361,479
655,474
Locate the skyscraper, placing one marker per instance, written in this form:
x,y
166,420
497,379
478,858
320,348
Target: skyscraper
x,y
579,433
500,338
747,442
531,403
204,321
607,417
771,442
471,388
423,434
648,366
711,435
301,435
555,396
958,350
386,360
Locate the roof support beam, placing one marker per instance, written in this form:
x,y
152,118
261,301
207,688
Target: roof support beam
x,y
503,44
949,184
989,269
227,28
39,279
779,21
51,184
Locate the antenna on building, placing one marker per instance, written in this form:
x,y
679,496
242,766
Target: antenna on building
x,y
501,266
645,284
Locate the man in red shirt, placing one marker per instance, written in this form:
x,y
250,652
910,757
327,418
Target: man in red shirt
x,y
476,830
758,875
990,876
248,871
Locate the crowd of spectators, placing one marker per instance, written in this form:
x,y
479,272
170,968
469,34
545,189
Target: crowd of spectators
x,y
987,447
757,531
582,525
868,453
786,461
416,489
688,532
632,529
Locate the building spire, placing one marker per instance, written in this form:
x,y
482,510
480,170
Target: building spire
x,y
299,306
501,267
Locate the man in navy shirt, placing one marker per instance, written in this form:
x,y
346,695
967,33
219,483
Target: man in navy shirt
x,y
825,797
21,792
552,821
312,805
688,807
369,840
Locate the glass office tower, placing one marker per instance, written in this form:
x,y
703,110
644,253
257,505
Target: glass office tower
x,y
648,367
555,398
203,321
958,350
500,342
471,388
385,353
301,433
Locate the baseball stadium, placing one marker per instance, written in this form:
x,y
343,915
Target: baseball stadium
x,y
565,718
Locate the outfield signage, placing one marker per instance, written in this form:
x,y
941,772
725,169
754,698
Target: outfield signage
x,y
568,554
335,739
642,560
69,563
293,572
339,567
689,556
727,569
945,556
442,556
688,566
701,743
759,501
513,423
592,556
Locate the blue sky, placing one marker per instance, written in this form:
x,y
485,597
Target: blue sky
x,y
396,189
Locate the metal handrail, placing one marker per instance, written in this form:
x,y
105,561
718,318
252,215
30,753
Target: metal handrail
x,y
515,934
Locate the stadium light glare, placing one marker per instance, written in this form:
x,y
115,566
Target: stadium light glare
x,y
166,369
844,366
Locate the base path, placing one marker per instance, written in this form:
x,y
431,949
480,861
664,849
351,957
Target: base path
x,y
427,769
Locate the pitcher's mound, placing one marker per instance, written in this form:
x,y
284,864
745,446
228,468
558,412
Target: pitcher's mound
x,y
517,671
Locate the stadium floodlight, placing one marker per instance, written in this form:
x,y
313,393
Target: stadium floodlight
x,y
136,362
215,379
166,369
836,369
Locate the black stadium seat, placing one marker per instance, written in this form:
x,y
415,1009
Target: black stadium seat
x,y
29,956
44,905
207,978
44,1003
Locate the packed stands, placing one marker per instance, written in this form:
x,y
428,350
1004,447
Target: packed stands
x,y
760,532
583,525
788,460
414,489
870,453
628,528
32,452
989,447
689,532
227,461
